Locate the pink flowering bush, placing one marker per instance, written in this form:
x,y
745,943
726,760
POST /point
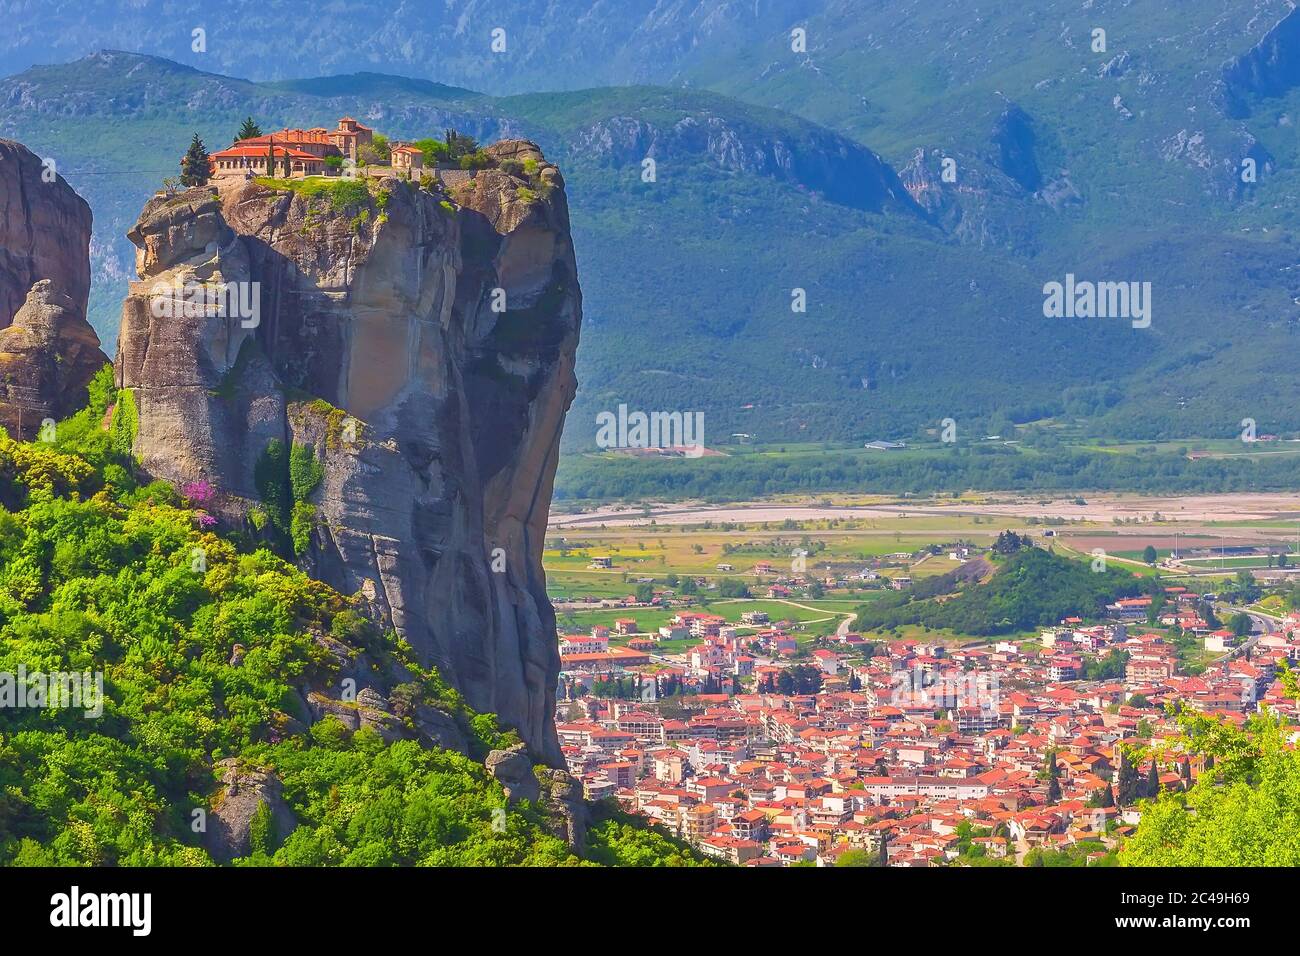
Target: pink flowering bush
x,y
198,492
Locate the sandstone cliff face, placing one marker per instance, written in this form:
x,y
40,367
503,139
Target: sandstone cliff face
x,y
48,351
436,419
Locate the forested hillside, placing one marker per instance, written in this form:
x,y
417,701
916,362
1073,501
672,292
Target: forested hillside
x,y
225,732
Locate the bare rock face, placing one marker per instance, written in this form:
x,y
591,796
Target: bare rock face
x,y
48,351
242,792
562,798
514,771
422,346
556,792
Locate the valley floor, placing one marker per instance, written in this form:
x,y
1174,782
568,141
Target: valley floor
x,y
1099,508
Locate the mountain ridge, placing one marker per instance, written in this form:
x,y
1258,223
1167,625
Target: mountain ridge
x,y
872,357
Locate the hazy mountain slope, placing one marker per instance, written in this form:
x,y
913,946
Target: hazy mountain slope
x,y
1147,118
914,313
549,44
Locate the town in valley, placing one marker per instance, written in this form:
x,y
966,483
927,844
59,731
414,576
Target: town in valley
x,y
716,680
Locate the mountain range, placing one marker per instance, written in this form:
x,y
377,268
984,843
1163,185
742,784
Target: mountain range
x,y
1162,152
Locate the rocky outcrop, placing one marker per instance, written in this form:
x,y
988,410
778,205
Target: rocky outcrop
x,y
562,798
556,792
1013,138
514,771
243,791
422,347
968,198
48,355
1270,68
805,155
48,351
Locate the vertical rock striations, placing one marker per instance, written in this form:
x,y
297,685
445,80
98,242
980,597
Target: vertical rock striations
x,y
48,351
435,418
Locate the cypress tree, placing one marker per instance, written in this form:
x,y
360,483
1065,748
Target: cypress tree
x,y
1128,780
194,165
1050,773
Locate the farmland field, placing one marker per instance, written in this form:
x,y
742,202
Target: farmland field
x,y
849,538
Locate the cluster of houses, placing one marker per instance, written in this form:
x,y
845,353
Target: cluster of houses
x,y
911,752
723,650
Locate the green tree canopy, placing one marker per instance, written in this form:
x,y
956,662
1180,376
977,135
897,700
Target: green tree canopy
x,y
195,168
1243,809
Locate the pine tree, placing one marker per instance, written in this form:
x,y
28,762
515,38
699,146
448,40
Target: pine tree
x,y
194,165
249,130
1107,797
1153,781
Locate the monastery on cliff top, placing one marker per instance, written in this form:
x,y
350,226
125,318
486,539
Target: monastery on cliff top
x,y
296,153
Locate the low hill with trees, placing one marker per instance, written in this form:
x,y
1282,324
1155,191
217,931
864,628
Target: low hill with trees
x,y
1031,588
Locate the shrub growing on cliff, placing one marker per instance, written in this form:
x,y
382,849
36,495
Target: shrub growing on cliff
x,y
270,475
305,472
477,160
261,831
300,525
38,472
126,422
284,482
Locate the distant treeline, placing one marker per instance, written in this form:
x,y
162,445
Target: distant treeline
x,y
961,469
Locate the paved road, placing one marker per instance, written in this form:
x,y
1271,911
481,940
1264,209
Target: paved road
x,y
1261,625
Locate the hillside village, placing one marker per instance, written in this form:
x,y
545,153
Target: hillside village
x,y
765,746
